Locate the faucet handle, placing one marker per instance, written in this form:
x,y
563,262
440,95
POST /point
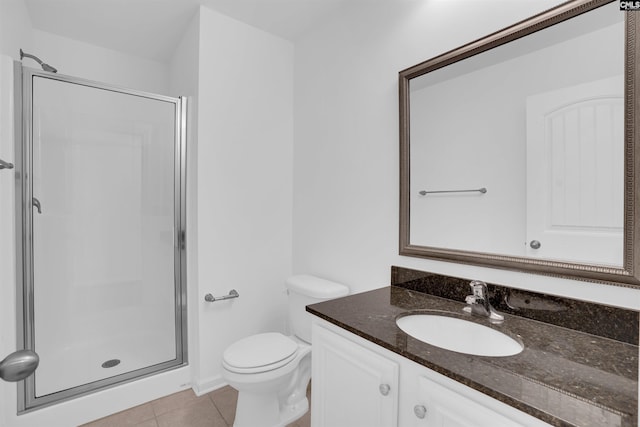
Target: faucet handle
x,y
479,288
479,302
478,292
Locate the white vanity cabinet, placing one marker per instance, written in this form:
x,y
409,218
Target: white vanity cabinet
x,y
356,383
437,405
352,386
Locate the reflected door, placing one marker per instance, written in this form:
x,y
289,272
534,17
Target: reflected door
x,y
105,217
575,173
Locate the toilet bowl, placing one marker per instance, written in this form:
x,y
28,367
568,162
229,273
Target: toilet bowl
x,y
273,391
270,370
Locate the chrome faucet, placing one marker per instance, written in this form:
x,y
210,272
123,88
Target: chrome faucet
x,y
479,302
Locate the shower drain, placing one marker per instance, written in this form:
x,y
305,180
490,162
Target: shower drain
x,y
111,363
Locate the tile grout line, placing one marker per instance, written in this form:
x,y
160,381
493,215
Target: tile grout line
x,y
218,409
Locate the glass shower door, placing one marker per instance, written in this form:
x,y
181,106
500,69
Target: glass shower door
x,y
105,205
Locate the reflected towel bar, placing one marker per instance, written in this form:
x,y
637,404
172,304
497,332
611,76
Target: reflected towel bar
x,y
232,294
479,190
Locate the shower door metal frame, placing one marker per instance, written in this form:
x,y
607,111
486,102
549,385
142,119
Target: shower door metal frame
x,y
23,93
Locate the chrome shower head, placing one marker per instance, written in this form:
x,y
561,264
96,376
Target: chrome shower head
x,y
45,67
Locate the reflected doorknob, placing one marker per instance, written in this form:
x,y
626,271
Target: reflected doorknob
x,y
19,365
384,389
420,411
535,244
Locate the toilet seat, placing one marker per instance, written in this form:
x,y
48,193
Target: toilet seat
x,y
259,353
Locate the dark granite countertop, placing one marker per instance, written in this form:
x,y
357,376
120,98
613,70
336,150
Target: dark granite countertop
x,y
563,377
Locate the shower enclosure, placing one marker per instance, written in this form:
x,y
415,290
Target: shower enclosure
x,y
100,234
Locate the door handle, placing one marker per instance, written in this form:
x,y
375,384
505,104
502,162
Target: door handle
x,y
535,244
19,365
36,203
5,165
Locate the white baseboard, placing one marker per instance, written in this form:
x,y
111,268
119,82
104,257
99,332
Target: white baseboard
x,y
208,385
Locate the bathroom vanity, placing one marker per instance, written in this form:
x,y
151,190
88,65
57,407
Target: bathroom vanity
x,y
368,372
357,383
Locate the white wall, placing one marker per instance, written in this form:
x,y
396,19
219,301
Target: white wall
x,y
245,149
15,28
74,57
80,59
7,228
346,141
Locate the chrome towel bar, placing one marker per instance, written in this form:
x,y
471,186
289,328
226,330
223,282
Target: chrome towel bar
x,y
479,190
232,294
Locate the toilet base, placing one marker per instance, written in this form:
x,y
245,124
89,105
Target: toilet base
x,y
294,412
273,398
264,410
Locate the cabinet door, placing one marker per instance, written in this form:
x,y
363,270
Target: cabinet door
x,y
438,406
351,385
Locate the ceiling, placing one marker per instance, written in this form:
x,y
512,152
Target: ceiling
x,y
152,28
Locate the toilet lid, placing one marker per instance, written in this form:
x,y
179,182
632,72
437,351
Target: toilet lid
x,y
261,352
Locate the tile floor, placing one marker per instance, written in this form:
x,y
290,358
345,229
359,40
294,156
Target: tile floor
x,y
184,409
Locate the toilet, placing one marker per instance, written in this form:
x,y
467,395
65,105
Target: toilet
x,y
271,371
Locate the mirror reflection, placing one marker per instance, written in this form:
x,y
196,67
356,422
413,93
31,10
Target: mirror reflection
x,y
538,124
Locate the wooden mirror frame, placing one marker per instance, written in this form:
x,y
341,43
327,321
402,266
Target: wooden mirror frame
x,y
629,274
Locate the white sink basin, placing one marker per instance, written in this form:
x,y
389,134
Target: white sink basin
x,y
459,335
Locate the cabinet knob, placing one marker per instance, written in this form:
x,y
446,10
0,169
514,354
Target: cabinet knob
x,y
384,389
420,411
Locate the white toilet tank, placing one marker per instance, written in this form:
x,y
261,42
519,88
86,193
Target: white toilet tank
x,y
304,290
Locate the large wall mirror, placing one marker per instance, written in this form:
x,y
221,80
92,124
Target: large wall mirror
x,y
518,150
